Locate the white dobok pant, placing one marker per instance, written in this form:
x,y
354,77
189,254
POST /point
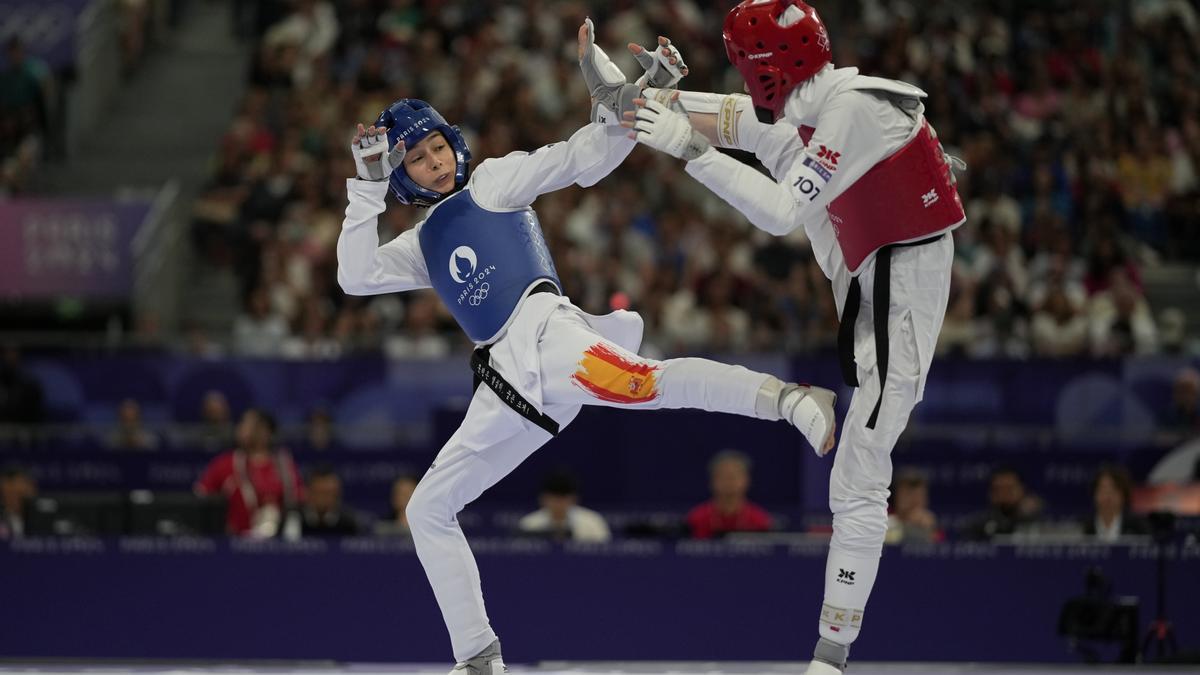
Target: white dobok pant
x,y
559,359
862,465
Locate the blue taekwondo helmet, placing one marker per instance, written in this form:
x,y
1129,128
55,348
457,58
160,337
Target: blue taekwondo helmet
x,y
411,120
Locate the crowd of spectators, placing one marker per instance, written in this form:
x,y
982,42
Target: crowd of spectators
x,y
1078,124
268,495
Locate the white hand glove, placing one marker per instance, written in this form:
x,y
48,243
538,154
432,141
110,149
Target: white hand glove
x,y
611,94
372,157
664,65
669,130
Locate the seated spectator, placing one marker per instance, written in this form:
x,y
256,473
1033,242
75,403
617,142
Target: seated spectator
x,y
1121,321
324,514
312,340
1059,328
1011,508
130,434
16,486
561,517
396,524
911,520
215,430
261,482
259,332
418,339
729,510
1110,494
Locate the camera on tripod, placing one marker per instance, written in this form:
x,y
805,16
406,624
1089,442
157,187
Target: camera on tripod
x,y
1096,618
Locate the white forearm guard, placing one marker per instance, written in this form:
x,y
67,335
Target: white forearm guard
x,y
733,130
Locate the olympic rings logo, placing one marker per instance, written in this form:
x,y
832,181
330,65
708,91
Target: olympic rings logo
x,y
479,295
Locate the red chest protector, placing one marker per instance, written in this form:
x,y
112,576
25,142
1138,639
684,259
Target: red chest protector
x,y
907,197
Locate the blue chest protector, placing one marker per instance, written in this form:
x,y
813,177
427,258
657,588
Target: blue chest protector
x,y
482,262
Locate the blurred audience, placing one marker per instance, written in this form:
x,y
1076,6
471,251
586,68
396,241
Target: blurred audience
x,y
729,510
1082,170
911,521
16,486
261,482
561,517
396,523
1011,508
324,514
1111,520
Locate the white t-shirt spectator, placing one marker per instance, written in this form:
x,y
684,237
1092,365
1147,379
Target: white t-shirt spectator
x,y
259,337
584,524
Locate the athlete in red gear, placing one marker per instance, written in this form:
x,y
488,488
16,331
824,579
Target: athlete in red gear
x,y
856,165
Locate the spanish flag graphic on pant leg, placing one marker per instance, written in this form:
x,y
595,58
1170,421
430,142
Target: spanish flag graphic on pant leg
x,y
608,376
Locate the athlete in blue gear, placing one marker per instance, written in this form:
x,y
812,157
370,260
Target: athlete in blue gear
x,y
481,249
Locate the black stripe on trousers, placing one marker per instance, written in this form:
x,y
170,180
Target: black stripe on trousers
x,y
881,300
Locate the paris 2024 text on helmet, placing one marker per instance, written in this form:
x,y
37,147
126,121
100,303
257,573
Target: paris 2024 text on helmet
x,y
412,120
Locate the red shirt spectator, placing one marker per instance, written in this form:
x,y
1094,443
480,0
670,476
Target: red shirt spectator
x,y
251,476
708,520
728,510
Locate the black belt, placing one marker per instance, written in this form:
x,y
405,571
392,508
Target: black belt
x,y
881,301
544,287
486,374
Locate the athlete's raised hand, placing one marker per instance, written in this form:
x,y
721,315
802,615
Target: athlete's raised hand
x,y
372,157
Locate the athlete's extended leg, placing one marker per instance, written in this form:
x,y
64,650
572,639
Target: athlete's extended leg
x,y
580,366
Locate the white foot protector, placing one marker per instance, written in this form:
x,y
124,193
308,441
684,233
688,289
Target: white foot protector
x,y
810,409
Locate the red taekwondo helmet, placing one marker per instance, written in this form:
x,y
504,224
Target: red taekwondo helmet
x,y
774,58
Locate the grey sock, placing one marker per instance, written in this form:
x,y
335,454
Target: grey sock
x,y
481,662
832,653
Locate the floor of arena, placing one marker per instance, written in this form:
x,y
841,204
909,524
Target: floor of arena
x,y
614,668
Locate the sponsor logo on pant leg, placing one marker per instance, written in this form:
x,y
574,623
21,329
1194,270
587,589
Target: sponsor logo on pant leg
x,y
837,618
608,376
